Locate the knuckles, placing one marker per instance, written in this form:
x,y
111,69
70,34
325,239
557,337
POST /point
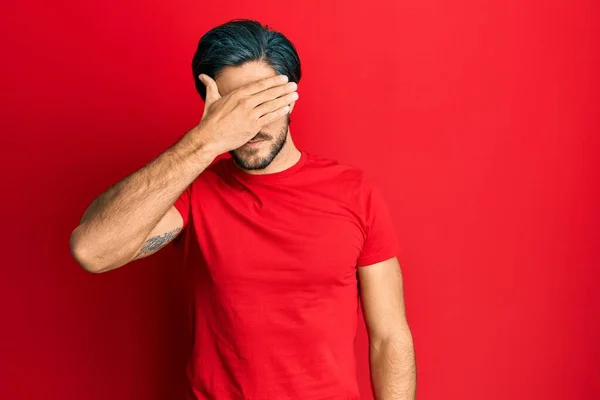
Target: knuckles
x,y
245,102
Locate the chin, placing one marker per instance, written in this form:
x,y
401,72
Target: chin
x,y
257,158
251,160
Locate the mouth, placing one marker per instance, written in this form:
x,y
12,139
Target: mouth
x,y
254,142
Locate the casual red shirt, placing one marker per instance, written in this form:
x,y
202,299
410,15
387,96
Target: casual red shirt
x,y
273,261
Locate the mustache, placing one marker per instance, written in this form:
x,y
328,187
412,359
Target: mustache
x,y
260,136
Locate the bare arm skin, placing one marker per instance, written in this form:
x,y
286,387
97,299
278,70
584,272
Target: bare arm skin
x,y
163,233
136,217
391,350
121,223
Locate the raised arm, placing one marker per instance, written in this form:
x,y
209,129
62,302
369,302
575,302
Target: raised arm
x,y
122,223
117,223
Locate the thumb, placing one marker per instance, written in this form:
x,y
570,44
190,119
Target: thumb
x,y
212,91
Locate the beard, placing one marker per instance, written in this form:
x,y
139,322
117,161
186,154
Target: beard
x,y
248,158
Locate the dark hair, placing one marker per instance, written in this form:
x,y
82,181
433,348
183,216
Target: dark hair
x,y
239,41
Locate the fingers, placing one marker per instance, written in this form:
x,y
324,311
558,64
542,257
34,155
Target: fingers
x,y
272,116
263,84
212,91
272,93
277,103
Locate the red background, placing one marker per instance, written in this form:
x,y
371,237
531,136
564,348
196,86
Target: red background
x,y
478,119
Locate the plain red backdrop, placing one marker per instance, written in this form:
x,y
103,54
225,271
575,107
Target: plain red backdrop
x,y
479,120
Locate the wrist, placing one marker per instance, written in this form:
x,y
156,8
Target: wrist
x,y
203,145
194,151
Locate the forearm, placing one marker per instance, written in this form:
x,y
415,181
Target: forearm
x,y
393,369
117,221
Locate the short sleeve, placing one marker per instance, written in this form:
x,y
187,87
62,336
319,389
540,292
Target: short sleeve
x,y
182,204
381,242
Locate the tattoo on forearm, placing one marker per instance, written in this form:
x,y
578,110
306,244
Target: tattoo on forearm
x,y
156,242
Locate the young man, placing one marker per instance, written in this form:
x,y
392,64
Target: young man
x,y
278,242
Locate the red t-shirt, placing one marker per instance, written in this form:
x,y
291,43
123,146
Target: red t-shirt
x,y
273,264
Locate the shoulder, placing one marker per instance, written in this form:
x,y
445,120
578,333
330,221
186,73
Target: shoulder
x,y
331,167
345,176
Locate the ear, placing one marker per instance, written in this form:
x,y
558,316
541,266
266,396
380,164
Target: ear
x,y
292,107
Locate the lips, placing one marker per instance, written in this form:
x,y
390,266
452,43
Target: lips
x,y
253,143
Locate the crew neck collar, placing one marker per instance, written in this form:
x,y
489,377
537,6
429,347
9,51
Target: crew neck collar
x,y
239,173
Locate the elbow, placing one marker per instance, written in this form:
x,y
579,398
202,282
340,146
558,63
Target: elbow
x,y
401,336
84,256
